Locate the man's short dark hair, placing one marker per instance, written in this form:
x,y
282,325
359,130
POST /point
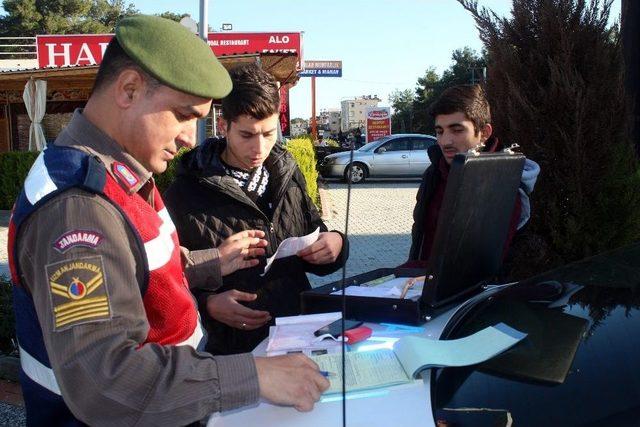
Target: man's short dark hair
x,y
115,61
468,99
255,93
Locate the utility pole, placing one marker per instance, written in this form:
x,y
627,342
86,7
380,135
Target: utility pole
x,y
314,123
630,31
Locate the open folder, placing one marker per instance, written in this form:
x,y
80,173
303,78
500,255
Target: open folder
x,y
410,355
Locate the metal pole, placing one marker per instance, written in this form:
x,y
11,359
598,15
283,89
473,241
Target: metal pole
x,y
204,30
314,124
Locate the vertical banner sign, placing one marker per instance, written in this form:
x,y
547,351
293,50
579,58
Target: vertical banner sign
x,y
378,122
284,111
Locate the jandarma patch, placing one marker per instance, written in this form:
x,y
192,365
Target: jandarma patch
x,y
70,239
78,292
124,174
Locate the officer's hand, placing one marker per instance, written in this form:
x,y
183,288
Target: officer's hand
x,y
293,380
325,250
225,308
239,250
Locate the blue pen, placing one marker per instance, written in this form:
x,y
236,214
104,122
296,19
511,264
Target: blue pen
x,y
327,374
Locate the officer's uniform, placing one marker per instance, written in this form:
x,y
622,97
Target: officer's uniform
x,y
106,324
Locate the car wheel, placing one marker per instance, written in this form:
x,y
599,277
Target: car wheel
x,y
358,173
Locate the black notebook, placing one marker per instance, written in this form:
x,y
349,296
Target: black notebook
x,y
546,354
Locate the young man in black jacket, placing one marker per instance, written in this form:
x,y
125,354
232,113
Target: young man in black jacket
x,y
463,122
246,181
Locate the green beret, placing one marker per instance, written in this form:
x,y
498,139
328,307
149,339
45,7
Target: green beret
x,y
175,56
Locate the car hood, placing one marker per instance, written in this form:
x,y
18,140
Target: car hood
x,y
580,348
346,154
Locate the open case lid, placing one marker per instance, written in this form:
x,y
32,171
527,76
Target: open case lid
x,y
472,225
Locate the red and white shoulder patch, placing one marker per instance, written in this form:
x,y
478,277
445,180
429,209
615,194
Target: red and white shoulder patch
x,y
124,175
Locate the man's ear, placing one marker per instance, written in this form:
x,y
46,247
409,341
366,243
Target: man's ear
x,y
224,126
129,88
486,132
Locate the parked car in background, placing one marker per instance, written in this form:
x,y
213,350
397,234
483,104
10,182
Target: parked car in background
x,y
393,156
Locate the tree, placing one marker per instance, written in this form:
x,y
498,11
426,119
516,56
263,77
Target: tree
x,y
402,103
556,87
173,16
424,96
629,32
31,17
467,67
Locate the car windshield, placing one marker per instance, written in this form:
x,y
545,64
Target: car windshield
x,y
373,144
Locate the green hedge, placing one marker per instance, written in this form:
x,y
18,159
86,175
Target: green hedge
x,y
302,150
14,168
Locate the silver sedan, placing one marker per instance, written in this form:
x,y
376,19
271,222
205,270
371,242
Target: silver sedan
x,y
393,156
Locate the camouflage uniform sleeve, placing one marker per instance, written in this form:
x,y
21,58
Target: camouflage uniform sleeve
x,y
82,267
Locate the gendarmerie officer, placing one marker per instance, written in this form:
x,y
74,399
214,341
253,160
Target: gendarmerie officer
x,y
107,327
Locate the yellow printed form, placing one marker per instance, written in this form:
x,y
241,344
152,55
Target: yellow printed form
x,y
363,370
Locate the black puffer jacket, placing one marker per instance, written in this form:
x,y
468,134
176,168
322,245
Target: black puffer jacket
x,y
207,206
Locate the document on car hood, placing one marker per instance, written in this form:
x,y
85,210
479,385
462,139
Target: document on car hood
x,y
291,246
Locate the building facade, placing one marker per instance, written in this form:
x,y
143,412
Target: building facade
x,y
353,111
299,127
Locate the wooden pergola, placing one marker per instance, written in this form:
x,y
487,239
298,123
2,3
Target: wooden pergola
x,y
69,88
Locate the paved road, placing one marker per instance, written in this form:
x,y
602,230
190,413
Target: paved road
x,y
380,219
379,225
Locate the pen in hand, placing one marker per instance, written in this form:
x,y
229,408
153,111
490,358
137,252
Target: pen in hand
x,y
328,374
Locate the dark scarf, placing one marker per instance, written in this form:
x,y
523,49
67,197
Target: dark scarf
x,y
255,184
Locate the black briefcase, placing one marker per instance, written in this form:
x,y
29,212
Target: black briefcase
x,y
467,250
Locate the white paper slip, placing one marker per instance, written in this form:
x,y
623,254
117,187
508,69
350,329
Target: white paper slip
x,y
291,246
297,333
309,318
391,288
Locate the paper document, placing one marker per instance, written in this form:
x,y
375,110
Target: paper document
x,y
291,246
417,353
363,370
411,354
390,288
296,333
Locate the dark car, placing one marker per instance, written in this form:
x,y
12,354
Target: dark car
x,y
393,156
578,366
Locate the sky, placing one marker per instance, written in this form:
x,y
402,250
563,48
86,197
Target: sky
x,y
383,44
